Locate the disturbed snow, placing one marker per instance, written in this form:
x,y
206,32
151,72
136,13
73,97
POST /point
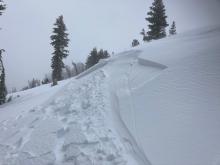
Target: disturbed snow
x,y
156,104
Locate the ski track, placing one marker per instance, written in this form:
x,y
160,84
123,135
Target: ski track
x,y
73,128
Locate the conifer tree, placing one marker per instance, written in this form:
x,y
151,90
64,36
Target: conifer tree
x,y
102,54
2,7
135,42
92,58
105,54
157,21
145,35
172,30
59,42
95,56
3,90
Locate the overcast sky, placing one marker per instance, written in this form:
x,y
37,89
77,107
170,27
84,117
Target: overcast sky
x,y
108,24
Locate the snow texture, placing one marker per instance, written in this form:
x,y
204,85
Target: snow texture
x,y
157,104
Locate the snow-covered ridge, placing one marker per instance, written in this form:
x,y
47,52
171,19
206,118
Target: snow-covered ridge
x,y
157,104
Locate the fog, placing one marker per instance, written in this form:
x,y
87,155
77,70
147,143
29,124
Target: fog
x,y
108,24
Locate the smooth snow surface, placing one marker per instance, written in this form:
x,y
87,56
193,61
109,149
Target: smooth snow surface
x,y
157,104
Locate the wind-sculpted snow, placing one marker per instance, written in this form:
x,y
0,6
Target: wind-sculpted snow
x,y
174,113
180,111
156,104
170,50
152,64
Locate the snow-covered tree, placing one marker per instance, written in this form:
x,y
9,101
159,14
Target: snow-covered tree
x,y
59,42
157,21
135,42
172,30
3,90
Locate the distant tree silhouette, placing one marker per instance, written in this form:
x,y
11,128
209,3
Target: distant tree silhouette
x,y
95,56
3,90
102,54
135,42
172,30
46,80
92,58
2,7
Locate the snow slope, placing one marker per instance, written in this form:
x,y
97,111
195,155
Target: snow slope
x,y
169,94
157,104
71,127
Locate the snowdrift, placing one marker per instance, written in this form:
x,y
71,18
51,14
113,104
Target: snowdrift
x,y
169,95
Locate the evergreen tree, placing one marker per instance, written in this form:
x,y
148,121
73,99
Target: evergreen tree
x,y
95,56
172,30
2,7
3,90
103,54
100,54
145,36
92,59
135,42
157,21
59,42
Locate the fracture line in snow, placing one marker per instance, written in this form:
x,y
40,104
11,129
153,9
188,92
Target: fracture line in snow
x,y
123,131
126,91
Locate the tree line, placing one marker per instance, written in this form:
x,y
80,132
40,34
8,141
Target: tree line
x,y
61,71
157,24
68,71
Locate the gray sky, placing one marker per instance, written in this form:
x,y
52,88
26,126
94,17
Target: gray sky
x,y
109,24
